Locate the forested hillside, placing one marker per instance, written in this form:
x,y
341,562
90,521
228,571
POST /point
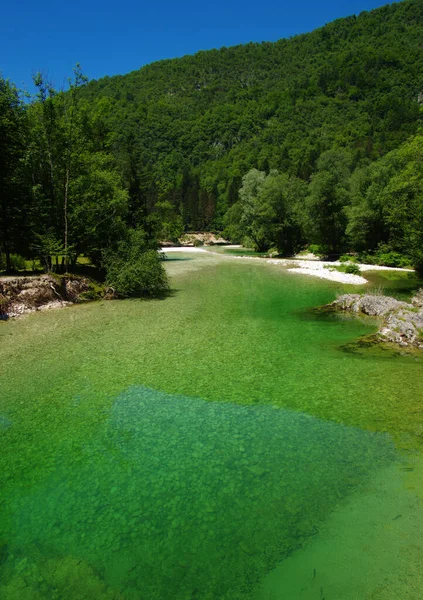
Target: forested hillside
x,y
188,129
314,139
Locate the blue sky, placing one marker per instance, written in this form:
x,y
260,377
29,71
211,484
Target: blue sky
x,y
108,38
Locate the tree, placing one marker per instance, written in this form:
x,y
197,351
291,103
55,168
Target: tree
x,y
166,222
98,209
13,190
59,138
268,211
402,201
257,216
328,199
286,195
72,130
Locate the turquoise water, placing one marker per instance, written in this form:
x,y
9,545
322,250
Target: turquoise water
x,y
192,447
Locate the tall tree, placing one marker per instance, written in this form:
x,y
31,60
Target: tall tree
x,y
13,192
58,141
328,199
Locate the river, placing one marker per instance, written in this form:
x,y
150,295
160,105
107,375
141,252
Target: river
x,y
223,443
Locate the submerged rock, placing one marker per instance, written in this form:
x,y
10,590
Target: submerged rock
x,y
402,322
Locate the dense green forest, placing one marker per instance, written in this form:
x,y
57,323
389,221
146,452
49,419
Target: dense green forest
x,y
312,140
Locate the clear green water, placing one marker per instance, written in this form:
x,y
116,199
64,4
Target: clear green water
x,y
190,447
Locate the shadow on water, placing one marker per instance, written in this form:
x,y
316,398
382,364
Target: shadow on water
x,y
177,258
176,497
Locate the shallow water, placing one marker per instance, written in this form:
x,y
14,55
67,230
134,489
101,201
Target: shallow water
x,y
197,446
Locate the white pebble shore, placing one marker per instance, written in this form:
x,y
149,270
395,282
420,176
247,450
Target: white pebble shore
x,y
315,268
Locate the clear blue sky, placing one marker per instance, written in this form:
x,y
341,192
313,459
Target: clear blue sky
x,y
108,37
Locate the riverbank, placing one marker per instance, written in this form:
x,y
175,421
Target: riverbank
x,y
402,322
20,295
310,266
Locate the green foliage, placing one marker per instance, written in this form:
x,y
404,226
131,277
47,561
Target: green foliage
x,y
386,257
352,269
134,268
16,263
315,249
14,194
46,247
94,292
347,258
166,222
187,130
267,212
98,206
328,197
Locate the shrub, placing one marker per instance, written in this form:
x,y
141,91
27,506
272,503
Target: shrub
x,y
393,259
198,243
315,249
352,269
366,258
143,275
347,258
134,269
386,258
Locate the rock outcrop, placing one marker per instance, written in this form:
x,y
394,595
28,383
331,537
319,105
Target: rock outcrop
x,y
19,295
402,323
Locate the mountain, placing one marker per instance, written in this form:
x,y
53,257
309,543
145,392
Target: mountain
x,y
186,130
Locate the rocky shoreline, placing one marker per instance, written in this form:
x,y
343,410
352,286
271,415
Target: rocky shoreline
x,y
401,322
20,295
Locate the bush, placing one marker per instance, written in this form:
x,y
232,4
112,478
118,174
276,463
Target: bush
x,y
233,234
352,269
386,258
198,243
134,269
394,259
143,275
347,258
315,249
366,258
